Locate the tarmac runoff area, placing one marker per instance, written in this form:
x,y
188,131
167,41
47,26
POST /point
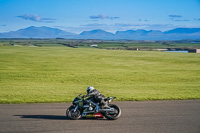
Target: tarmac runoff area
x,y
176,116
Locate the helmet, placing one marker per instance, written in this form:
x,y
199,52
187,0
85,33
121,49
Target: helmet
x,y
90,89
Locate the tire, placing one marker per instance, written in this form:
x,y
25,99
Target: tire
x,y
73,115
113,116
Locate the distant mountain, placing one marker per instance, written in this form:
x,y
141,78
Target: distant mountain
x,y
175,34
38,32
47,32
138,34
183,30
96,34
125,34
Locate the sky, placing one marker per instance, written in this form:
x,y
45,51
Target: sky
x,y
77,16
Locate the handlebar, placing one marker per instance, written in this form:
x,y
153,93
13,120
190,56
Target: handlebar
x,y
84,96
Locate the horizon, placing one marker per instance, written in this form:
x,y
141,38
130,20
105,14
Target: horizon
x,y
76,16
95,29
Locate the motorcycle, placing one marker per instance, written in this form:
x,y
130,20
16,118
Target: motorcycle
x,y
83,107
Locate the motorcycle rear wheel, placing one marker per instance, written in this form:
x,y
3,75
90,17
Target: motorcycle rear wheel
x,y
115,115
74,115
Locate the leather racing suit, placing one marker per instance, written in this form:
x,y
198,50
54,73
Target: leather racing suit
x,y
97,97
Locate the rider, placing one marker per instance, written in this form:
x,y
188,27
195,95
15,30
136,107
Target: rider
x,y
96,96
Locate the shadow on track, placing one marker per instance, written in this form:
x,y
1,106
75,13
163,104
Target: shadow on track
x,y
49,117
54,117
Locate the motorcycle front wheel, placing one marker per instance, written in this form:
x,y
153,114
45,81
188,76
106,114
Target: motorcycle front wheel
x,y
74,115
115,114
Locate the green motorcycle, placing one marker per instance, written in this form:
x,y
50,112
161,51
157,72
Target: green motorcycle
x,y
83,107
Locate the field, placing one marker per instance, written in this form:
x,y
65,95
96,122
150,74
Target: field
x,y
104,44
58,74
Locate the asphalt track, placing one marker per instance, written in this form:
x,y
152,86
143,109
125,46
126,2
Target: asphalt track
x,y
179,116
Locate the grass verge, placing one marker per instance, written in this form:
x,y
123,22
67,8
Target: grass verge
x,y
56,74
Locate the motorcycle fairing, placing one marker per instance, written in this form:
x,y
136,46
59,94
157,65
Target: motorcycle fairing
x,y
97,115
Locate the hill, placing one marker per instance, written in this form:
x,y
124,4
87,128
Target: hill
x,y
183,30
96,34
47,32
38,32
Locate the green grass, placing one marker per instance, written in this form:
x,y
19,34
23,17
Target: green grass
x,y
149,46
58,74
106,44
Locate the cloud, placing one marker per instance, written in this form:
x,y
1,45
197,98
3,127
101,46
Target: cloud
x,y
94,25
3,25
125,26
114,17
145,20
102,16
175,16
178,18
99,17
181,20
196,19
36,18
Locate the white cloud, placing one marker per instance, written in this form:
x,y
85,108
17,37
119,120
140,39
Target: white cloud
x,y
102,16
36,18
175,16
